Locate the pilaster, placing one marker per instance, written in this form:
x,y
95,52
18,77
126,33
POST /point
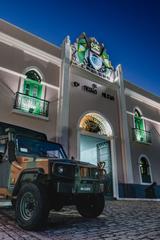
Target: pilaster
x,y
125,144
64,93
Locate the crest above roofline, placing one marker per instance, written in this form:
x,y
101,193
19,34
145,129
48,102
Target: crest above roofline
x,y
91,55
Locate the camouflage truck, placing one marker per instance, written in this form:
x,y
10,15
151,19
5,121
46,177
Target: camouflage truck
x,y
37,176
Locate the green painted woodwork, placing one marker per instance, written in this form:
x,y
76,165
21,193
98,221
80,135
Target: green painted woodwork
x,y
139,126
139,123
32,88
31,102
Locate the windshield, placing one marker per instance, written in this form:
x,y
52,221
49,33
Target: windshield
x,y
39,148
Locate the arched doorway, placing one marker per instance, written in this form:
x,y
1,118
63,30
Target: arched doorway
x,y
95,134
145,170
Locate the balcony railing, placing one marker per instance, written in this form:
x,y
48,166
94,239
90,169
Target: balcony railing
x,y
33,105
141,136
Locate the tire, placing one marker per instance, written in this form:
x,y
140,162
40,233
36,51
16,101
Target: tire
x,y
32,207
92,206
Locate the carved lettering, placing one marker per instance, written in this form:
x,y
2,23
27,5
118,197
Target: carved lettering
x,y
107,96
89,89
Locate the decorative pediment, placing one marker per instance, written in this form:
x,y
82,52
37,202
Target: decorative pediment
x,y
91,55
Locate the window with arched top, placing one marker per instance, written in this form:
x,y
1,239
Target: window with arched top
x,y
30,99
138,120
32,84
95,123
139,132
33,75
145,170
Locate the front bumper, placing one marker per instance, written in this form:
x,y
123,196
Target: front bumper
x,y
76,188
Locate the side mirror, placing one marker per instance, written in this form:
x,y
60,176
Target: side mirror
x,y
2,151
11,151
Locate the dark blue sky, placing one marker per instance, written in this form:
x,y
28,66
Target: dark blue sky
x,y
130,30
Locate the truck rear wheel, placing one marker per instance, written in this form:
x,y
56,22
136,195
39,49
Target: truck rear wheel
x,y
31,207
92,206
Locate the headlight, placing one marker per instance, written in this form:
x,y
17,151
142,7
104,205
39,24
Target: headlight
x,y
63,170
60,169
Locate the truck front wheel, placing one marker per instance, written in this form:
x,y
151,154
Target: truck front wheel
x,y
31,207
91,206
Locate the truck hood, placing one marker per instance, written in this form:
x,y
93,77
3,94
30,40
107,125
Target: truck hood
x,y
73,162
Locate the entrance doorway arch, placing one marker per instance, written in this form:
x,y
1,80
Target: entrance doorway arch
x,y
96,144
95,123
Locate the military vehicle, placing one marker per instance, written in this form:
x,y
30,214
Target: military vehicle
x,y
37,176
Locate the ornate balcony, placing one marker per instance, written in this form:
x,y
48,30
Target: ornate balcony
x,y
32,105
141,136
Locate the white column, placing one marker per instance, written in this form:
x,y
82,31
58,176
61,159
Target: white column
x,y
126,154
64,93
114,168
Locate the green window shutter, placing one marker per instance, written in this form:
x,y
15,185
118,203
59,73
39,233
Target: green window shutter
x,y
139,126
136,120
139,123
32,88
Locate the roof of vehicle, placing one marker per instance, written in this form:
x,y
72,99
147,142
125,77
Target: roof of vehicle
x,y
22,131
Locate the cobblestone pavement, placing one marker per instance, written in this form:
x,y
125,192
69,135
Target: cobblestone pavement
x,y
121,220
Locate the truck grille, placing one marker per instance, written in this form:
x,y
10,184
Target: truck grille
x,y
86,172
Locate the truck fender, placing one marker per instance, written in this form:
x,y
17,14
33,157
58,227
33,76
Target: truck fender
x,y
27,175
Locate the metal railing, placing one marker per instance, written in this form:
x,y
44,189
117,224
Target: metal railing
x,y
30,104
141,136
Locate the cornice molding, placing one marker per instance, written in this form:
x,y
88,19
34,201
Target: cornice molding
x,y
35,52
6,70
76,69
142,98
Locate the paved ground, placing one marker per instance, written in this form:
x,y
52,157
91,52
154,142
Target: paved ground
x,y
121,220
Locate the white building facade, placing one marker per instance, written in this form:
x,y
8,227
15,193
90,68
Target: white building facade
x,y
75,96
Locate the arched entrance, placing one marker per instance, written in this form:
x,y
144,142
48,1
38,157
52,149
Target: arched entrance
x,y
95,134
